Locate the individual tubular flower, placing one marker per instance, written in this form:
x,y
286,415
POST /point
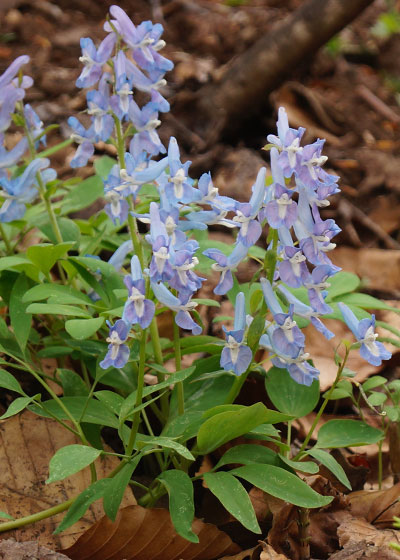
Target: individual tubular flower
x,y
306,311
246,213
293,269
138,309
11,157
225,265
35,125
317,288
160,268
181,305
118,352
371,350
282,210
22,190
236,356
288,143
93,60
286,335
179,187
85,138
145,121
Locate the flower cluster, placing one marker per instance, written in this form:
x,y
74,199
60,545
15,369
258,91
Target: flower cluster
x,y
19,190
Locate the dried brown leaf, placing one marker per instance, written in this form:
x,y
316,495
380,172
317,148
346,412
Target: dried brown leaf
x,y
10,549
377,507
27,443
148,534
353,531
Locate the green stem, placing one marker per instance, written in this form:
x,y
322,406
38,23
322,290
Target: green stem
x,y
17,523
139,394
178,367
323,406
236,387
6,240
289,437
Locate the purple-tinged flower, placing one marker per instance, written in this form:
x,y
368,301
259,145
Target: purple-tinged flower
x,y
303,310
138,309
246,213
22,190
11,157
236,356
145,121
12,70
118,352
225,265
34,124
115,192
282,210
179,187
311,162
286,335
94,60
293,269
371,350
288,143
117,258
317,286
181,305
103,123
85,138
182,262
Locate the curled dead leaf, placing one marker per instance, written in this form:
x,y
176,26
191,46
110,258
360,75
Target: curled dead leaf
x,y
148,534
362,540
377,507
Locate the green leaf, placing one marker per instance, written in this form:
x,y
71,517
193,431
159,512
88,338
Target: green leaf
x,y
228,425
70,460
373,382
207,302
83,328
5,515
7,263
95,411
16,406
282,484
72,384
20,320
114,491
331,464
265,430
308,467
181,504
8,381
83,195
103,166
45,255
111,400
159,441
64,294
347,433
376,399
54,309
248,454
94,492
233,496
256,329
288,396
366,301
342,283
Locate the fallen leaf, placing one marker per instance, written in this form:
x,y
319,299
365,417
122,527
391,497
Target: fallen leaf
x,y
354,531
148,534
376,507
10,549
27,443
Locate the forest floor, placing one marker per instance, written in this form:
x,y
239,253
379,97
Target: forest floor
x,y
348,93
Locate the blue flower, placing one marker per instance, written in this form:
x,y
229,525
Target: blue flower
x,y
11,157
138,309
317,288
181,305
22,190
282,210
34,125
236,356
118,352
225,265
94,60
286,335
246,213
371,350
293,269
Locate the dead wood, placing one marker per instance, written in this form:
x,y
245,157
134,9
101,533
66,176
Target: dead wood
x,y
249,79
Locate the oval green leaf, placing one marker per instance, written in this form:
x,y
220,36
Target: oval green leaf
x,y
347,433
83,328
70,460
233,496
331,464
288,396
282,484
181,504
